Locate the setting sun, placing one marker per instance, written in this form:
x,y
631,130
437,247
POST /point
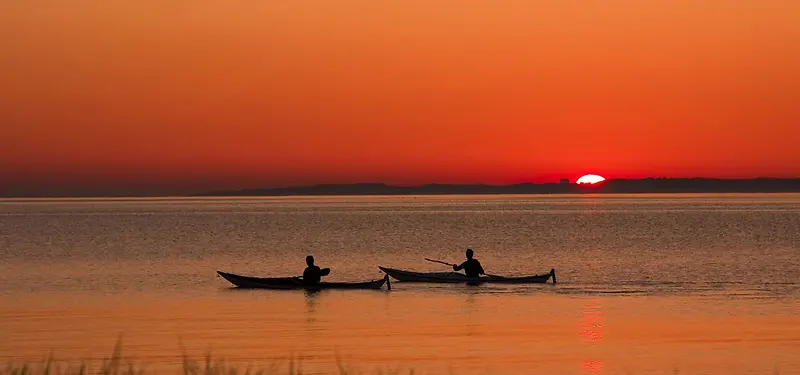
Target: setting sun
x,y
590,179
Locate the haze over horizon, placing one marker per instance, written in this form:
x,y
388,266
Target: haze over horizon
x,y
165,97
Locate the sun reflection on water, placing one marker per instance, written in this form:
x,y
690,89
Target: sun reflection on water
x,y
591,323
591,331
592,367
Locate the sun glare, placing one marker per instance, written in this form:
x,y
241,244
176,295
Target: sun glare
x,y
590,179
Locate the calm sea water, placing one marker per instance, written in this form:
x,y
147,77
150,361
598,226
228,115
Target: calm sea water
x,y
648,284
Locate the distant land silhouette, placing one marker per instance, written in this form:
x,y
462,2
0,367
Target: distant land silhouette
x,y
630,186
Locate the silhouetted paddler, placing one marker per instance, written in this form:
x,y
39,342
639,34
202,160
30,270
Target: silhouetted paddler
x,y
313,274
471,267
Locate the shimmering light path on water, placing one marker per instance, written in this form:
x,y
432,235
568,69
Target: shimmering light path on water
x,y
647,284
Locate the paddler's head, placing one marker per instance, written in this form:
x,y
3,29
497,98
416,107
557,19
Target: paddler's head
x,y
469,253
310,260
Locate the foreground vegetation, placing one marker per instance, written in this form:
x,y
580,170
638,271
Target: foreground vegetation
x,y
117,365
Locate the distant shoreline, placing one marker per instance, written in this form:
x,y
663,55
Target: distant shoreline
x,y
616,186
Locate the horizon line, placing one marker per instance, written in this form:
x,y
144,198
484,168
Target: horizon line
x,y
236,192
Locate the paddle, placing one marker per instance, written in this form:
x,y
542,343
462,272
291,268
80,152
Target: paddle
x,y
439,261
451,264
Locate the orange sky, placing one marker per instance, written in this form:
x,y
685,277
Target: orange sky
x,y
180,95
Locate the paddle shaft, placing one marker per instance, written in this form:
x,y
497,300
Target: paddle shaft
x,y
439,261
451,264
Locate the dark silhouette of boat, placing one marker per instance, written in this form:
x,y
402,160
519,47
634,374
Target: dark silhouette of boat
x,y
455,277
297,283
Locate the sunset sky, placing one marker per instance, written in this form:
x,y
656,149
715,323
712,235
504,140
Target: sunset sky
x,y
171,96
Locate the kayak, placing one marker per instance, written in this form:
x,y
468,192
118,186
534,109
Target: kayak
x,y
455,277
297,283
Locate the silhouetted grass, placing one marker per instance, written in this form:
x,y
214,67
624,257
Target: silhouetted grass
x,y
117,365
